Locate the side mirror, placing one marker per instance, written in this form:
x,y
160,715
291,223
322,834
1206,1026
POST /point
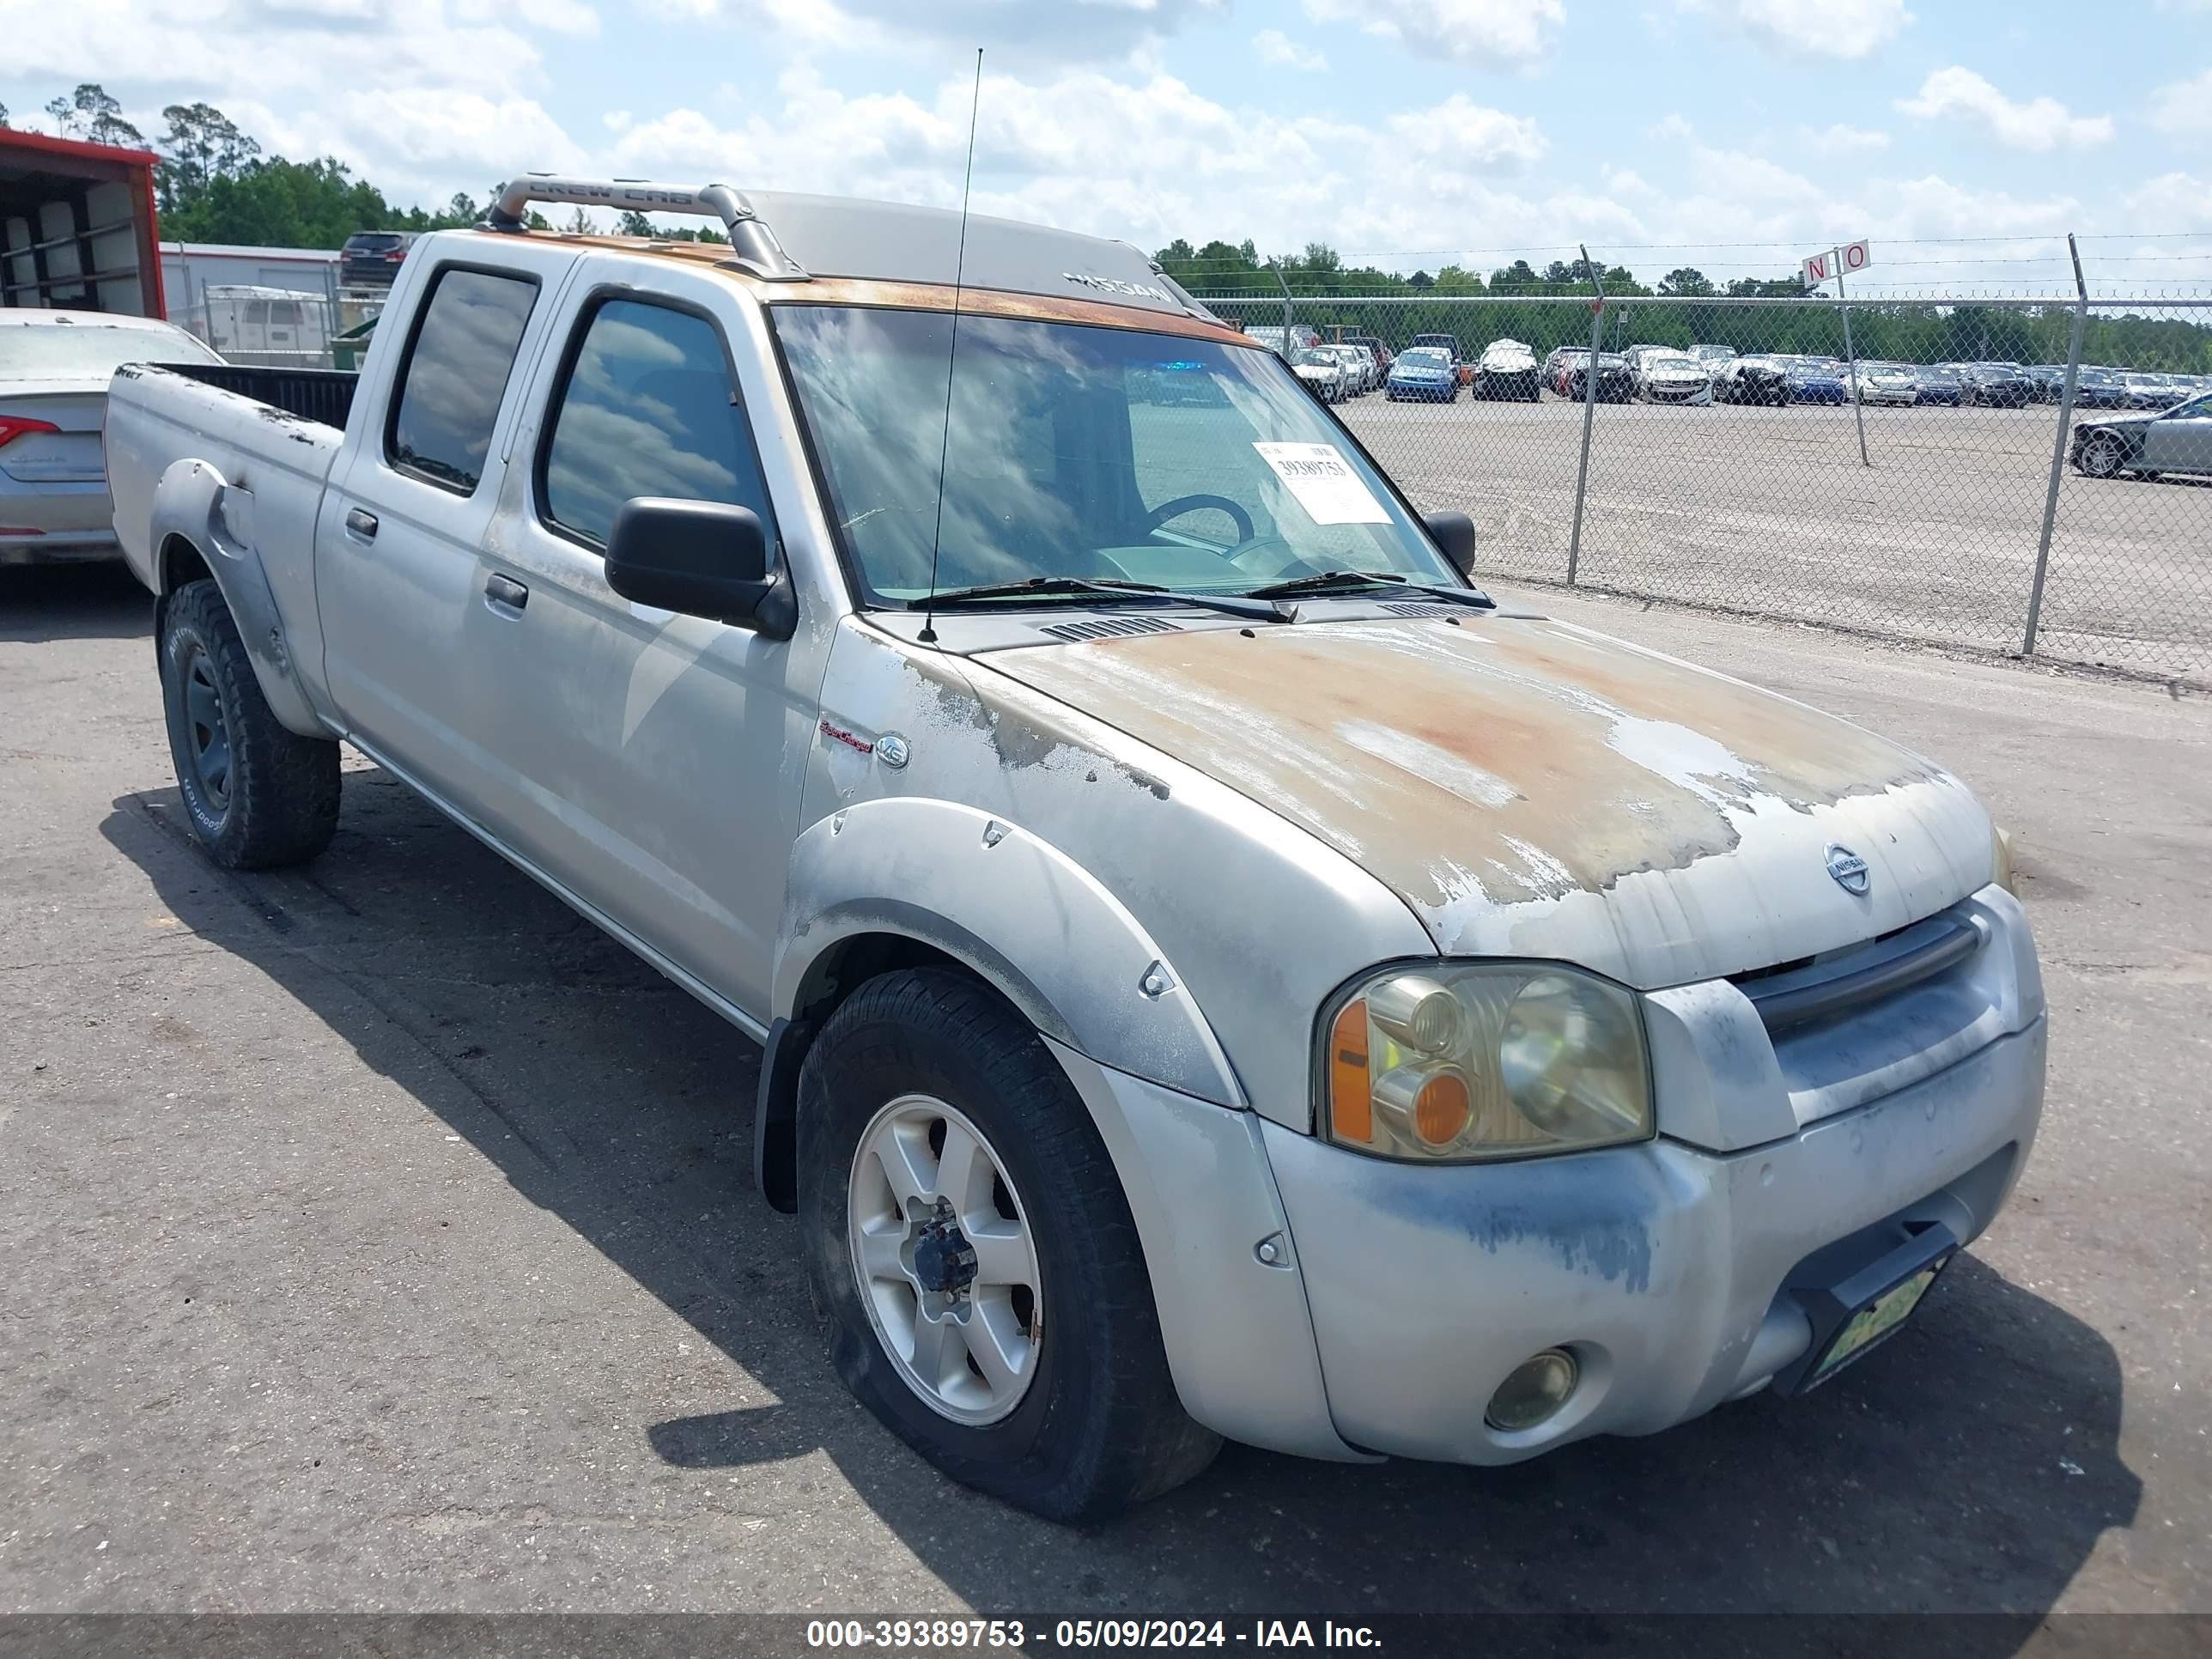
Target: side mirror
x,y
1454,533
700,558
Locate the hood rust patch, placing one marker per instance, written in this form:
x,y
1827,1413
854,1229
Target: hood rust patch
x,y
1527,757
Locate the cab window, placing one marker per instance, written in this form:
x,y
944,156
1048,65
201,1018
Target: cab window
x,y
647,407
455,374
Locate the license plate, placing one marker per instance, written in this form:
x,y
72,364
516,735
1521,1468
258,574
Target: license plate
x,y
1875,1322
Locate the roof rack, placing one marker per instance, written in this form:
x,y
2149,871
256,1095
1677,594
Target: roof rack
x,y
753,246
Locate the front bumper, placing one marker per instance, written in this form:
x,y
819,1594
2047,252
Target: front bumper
x,y
1666,1268
1322,1301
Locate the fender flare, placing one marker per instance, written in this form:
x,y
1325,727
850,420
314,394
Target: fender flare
x,y
1013,908
194,503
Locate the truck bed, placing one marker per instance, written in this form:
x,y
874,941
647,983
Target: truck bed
x,y
313,394
232,460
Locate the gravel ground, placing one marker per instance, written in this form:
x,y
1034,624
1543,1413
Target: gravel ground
x,y
1769,511
380,1237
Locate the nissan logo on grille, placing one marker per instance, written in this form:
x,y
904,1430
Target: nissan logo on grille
x,y
1848,869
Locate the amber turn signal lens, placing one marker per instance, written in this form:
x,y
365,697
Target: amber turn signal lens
x,y
1351,1106
1442,1109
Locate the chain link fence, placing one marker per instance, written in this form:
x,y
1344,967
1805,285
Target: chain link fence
x,y
2008,474
282,328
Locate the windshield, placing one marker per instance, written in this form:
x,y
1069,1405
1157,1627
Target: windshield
x,y
2194,409
1096,453
1423,357
89,351
1314,357
1939,374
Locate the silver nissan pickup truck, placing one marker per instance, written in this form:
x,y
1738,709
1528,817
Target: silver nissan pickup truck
x,y
1220,974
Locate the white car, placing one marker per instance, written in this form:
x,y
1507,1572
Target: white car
x,y
1883,383
54,370
1506,370
1673,377
1359,373
1319,367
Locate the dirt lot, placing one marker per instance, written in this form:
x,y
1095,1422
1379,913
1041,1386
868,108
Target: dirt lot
x,y
380,1237
1769,511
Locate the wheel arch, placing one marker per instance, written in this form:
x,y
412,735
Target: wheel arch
x,y
902,882
193,538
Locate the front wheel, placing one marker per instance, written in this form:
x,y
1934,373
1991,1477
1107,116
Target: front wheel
x,y
259,795
966,1236
2101,456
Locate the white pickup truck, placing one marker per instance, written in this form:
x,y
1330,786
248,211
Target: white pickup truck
x,y
1220,974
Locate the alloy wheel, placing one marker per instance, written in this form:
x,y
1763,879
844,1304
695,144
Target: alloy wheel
x,y
944,1260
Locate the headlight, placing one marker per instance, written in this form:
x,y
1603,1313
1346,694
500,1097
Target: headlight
x,y
1462,1062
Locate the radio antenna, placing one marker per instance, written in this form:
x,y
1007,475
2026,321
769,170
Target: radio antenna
x,y
952,356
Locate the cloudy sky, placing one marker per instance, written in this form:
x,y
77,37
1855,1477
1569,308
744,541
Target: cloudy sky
x,y
1961,136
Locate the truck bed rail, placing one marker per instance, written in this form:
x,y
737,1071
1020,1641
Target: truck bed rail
x,y
313,394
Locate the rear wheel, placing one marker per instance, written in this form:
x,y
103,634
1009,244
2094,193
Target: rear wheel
x,y
967,1238
257,795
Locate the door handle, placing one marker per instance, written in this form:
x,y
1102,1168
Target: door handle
x,y
505,590
361,524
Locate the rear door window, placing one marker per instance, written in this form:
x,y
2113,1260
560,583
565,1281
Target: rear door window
x,y
648,408
455,374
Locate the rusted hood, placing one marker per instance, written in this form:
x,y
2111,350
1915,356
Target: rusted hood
x,y
1532,788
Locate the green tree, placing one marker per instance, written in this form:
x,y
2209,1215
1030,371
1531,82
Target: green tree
x,y
89,113
634,223
199,145
1687,280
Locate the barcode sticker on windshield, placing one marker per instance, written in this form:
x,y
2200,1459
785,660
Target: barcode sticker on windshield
x,y
1324,484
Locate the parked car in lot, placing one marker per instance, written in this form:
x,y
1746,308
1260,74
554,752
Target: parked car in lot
x,y
1753,379
1373,345
55,367
1713,356
1506,370
2147,390
1883,383
371,259
2099,388
2178,441
1937,383
1672,377
1360,375
1567,367
1449,344
1996,386
1814,380
1319,367
1299,335
1265,991
1423,374
2046,381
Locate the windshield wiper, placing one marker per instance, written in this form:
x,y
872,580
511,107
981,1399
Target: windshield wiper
x,y
1351,581
1252,605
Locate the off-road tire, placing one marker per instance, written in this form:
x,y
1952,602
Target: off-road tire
x,y
1100,1426
281,803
